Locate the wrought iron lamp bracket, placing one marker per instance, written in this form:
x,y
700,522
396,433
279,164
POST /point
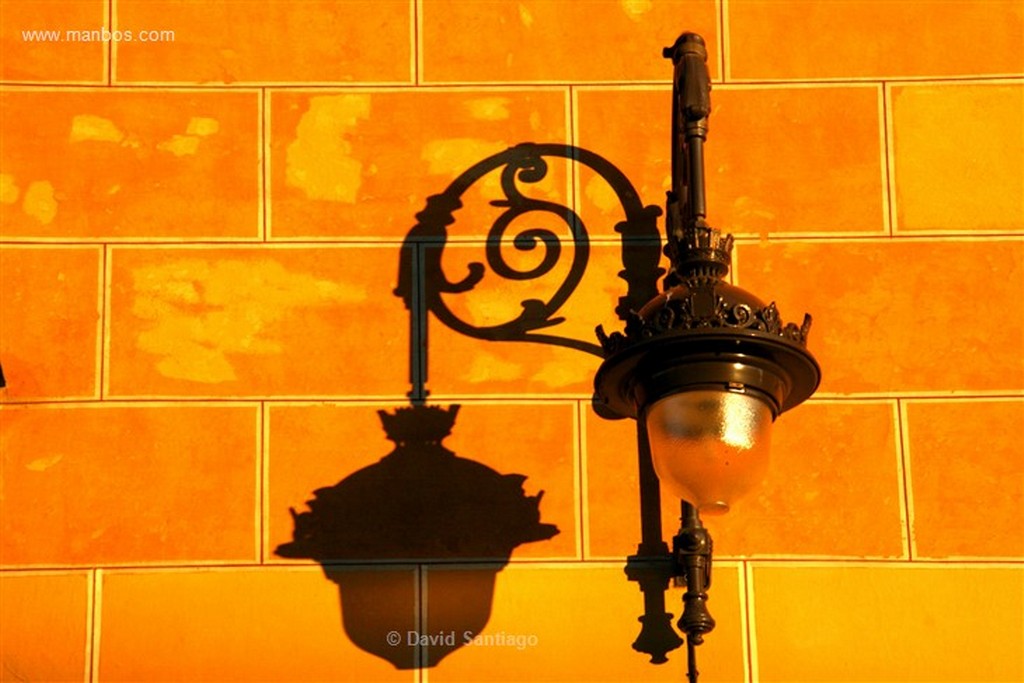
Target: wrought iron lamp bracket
x,y
522,165
700,332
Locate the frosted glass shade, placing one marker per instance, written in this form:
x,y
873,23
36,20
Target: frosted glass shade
x,y
709,446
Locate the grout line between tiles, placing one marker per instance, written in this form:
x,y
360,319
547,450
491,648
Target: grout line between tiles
x,y
750,623
399,86
106,280
150,403
574,140
815,560
419,319
38,242
882,239
741,577
913,565
420,617
568,563
887,165
580,489
575,200
263,191
95,85
722,20
96,622
908,488
417,44
888,161
101,328
90,609
262,477
574,126
108,55
901,475
862,80
142,401
390,241
997,79
102,87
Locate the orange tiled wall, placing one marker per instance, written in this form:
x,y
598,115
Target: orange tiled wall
x,y
201,237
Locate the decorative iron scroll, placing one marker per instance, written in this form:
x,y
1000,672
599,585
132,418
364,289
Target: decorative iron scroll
x,y
525,164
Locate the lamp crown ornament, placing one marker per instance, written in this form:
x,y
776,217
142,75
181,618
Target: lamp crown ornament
x,y
702,251
693,306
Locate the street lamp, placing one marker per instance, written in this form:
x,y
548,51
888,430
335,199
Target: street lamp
x,y
707,366
704,367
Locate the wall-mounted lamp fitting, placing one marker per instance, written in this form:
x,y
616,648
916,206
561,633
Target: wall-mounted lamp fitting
x,y
708,366
705,365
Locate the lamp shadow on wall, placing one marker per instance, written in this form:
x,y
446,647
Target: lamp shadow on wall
x,y
422,503
419,503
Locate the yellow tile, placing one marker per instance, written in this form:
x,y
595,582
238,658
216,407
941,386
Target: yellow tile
x,y
900,315
43,626
793,159
792,39
98,484
967,456
958,156
225,41
257,321
878,623
565,624
53,41
357,164
124,164
551,40
49,322
253,625
833,465
335,451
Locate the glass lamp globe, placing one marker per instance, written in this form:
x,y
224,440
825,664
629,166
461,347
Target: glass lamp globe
x,y
710,446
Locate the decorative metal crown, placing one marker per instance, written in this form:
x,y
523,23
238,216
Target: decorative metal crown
x,y
698,304
698,250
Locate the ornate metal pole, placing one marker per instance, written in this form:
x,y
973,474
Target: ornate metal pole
x,y
687,234
692,554
686,230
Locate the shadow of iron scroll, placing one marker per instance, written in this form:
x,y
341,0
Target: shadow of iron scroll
x,y
421,502
521,167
